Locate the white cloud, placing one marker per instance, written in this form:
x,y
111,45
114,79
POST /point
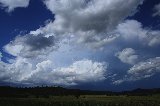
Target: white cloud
x,y
22,71
4,75
145,69
154,38
12,4
141,70
128,56
19,70
157,9
132,30
96,40
90,20
79,72
90,15
16,71
31,45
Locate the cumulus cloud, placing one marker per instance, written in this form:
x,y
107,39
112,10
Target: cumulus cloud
x,y
130,29
79,72
154,38
133,30
31,45
4,74
142,70
128,56
63,66
90,15
12,4
92,20
145,69
157,9
22,71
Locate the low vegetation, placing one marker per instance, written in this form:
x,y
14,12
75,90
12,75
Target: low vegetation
x,y
57,96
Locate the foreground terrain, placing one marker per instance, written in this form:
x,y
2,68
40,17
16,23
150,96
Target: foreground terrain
x,y
58,96
85,100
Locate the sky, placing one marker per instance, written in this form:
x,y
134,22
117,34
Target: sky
x,y
86,44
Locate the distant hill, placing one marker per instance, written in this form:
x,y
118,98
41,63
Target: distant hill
x,y
141,92
6,91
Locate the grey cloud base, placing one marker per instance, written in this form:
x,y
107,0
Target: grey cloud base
x,y
31,45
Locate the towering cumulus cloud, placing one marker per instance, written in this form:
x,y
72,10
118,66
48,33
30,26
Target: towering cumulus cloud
x,y
92,20
12,4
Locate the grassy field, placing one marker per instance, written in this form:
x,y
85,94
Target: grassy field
x,y
85,100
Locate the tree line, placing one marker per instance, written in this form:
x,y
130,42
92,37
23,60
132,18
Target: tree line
x,y
46,92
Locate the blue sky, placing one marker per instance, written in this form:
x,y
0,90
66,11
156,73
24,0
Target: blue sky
x,y
80,44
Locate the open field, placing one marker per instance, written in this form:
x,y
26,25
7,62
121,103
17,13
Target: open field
x,y
84,100
58,96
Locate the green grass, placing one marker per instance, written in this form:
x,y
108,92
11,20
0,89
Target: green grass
x,y
84,100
